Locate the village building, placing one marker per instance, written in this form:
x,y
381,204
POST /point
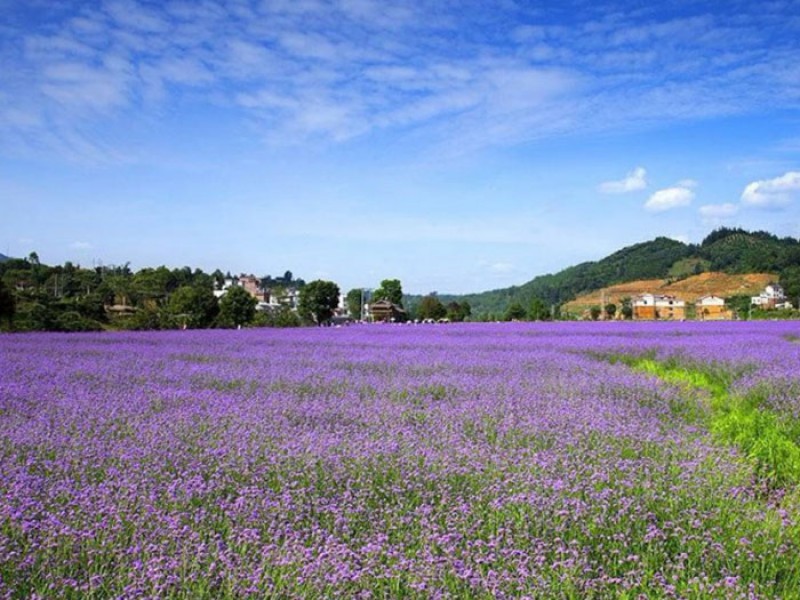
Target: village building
x,y
252,285
386,312
712,308
650,307
279,297
772,297
267,299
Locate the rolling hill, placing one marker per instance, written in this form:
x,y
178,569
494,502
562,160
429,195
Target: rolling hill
x,y
724,251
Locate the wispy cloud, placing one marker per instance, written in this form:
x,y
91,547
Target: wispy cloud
x,y
772,193
634,181
310,70
719,211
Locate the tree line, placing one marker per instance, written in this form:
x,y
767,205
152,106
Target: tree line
x,y
35,296
38,297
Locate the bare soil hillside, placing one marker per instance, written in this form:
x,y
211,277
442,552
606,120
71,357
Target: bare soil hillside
x,y
689,289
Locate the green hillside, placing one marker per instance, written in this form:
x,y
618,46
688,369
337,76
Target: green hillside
x,y
726,250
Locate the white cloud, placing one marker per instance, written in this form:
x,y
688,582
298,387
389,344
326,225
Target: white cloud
x,y
669,198
719,211
80,245
633,181
772,193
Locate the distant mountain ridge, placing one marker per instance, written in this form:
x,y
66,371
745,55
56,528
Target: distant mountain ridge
x,y
726,250
4,258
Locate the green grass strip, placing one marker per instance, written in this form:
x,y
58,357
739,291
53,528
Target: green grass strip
x,y
768,439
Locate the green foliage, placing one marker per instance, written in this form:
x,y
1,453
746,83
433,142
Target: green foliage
x,y
515,312
318,300
282,316
154,284
740,251
790,282
611,310
687,267
236,308
595,312
74,321
767,439
144,319
627,307
354,299
192,306
391,290
430,307
538,310
458,311
647,260
37,314
70,298
740,305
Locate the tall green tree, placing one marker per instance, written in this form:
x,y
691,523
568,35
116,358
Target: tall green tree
x,y
790,282
153,285
611,310
353,300
627,308
236,308
458,311
193,306
318,300
515,312
538,310
430,307
391,290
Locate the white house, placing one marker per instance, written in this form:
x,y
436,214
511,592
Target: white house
x,y
712,308
651,307
229,283
771,297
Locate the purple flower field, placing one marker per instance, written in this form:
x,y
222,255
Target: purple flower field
x,y
459,461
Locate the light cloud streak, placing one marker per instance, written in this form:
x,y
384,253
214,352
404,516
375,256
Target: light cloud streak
x,y
719,211
466,77
634,181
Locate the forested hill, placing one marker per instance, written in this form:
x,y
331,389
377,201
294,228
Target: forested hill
x,y
726,250
4,258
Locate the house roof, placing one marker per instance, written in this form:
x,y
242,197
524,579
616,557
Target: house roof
x,y
386,305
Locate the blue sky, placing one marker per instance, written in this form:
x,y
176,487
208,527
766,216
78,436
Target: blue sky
x,y
458,146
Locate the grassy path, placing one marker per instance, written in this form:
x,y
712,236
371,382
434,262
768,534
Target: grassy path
x,y
769,439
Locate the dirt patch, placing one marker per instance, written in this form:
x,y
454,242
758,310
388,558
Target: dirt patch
x,y
690,289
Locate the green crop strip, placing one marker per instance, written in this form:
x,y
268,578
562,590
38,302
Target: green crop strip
x,y
768,439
